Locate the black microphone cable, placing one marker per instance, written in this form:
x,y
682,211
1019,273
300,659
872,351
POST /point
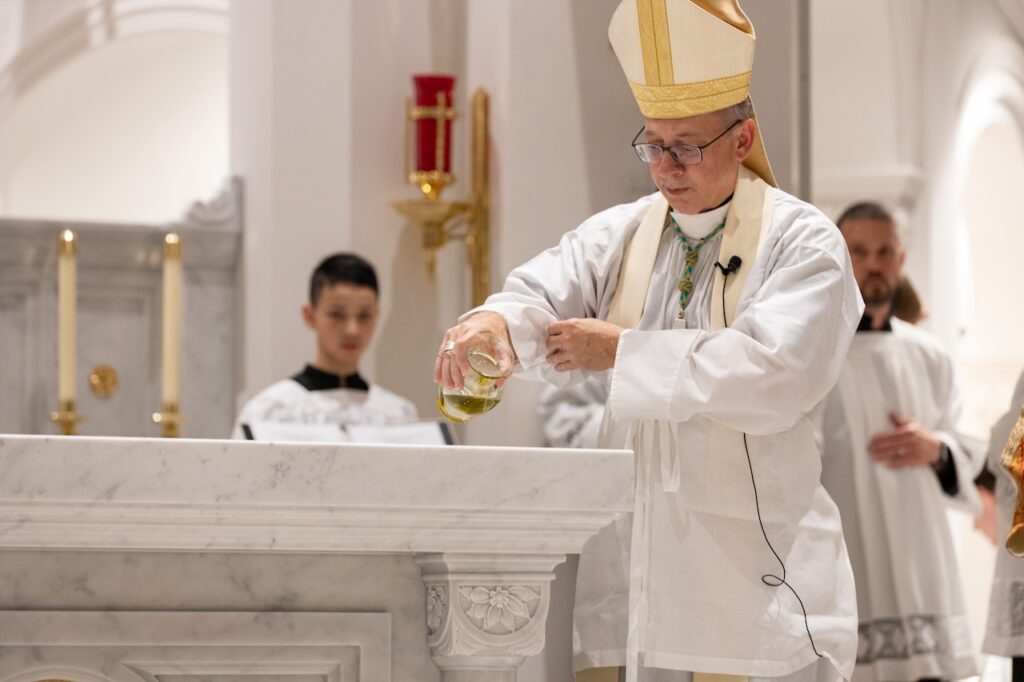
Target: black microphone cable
x,y
769,579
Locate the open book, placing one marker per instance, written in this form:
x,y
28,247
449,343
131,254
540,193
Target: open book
x,y
410,433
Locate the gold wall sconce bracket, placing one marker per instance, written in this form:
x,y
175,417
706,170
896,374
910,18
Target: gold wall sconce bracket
x,y
438,222
441,221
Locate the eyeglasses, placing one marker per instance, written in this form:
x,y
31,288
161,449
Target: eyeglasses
x,y
683,154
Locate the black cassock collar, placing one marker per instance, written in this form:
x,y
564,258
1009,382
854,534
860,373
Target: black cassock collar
x,y
865,325
313,379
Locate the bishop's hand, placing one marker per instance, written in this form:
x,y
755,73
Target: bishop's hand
x,y
582,344
482,330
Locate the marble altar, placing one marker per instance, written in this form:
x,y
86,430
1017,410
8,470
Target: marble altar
x,y
183,560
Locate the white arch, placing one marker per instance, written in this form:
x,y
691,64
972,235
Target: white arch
x,y
993,96
96,23
991,87
991,93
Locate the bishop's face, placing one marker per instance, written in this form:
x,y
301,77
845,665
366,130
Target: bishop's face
x,y
877,258
703,186
344,319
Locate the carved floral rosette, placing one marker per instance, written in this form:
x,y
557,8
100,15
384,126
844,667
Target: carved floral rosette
x,y
475,618
481,615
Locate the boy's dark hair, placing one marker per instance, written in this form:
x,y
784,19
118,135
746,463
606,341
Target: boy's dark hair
x,y
865,210
341,268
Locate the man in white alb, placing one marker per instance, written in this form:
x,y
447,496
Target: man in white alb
x,y
893,459
722,308
571,416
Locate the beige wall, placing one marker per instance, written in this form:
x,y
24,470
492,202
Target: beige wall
x,y
131,131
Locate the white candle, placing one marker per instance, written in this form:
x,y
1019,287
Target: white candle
x,y
172,320
67,248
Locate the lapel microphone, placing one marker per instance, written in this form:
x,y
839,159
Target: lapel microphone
x,y
734,264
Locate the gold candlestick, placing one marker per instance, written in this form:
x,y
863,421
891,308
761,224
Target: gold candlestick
x,y
67,418
67,286
169,419
172,308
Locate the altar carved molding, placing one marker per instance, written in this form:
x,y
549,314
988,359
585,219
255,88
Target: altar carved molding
x,y
223,211
486,611
211,229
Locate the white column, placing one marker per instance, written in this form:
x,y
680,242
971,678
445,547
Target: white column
x,y
291,134
522,51
391,43
778,91
318,93
862,145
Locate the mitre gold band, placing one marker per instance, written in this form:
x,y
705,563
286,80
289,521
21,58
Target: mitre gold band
x,y
691,99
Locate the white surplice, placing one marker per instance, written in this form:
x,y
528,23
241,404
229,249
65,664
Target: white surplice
x,y
289,402
1004,634
913,623
684,395
571,416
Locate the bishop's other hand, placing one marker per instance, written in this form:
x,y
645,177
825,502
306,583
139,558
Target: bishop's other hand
x,y
582,344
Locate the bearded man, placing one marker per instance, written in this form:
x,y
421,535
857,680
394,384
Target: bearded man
x,y
893,459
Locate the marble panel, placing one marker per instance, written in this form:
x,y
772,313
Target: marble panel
x,y
278,583
115,330
15,359
209,354
175,646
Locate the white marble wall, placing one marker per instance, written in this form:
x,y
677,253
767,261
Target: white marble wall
x,y
260,617
119,317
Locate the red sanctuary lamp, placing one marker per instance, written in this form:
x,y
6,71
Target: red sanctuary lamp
x,y
432,116
428,163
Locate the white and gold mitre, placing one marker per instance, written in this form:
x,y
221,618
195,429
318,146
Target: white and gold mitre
x,y
684,58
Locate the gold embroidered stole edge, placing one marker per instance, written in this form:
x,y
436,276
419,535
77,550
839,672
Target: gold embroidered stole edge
x,y
749,213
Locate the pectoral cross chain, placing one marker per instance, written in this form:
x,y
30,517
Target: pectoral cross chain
x,y
691,258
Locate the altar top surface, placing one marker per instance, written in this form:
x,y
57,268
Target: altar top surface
x,y
217,495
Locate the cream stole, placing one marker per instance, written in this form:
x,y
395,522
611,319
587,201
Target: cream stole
x,y
749,213
745,223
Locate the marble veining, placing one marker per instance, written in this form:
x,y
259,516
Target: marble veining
x,y
206,494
